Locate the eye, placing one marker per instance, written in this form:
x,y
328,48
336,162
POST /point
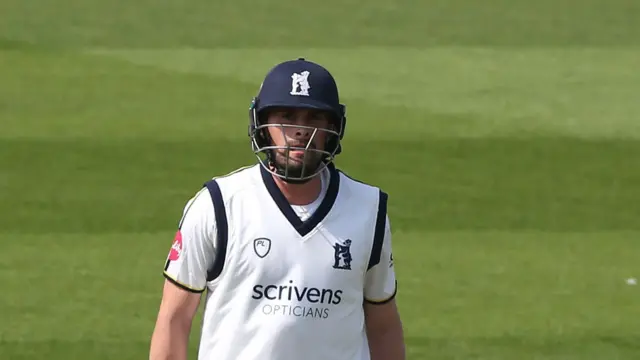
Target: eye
x,y
282,117
318,118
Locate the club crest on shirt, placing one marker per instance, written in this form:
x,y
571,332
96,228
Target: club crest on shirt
x,y
261,246
176,248
342,255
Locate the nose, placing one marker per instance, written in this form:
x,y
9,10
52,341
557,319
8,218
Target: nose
x,y
303,131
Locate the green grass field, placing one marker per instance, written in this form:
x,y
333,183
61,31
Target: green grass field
x,y
507,133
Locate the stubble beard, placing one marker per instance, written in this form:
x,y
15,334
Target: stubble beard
x,y
294,166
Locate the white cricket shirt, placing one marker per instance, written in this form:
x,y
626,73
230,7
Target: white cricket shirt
x,y
279,287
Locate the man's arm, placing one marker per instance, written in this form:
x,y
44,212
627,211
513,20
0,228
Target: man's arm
x,y
170,337
192,255
382,319
384,331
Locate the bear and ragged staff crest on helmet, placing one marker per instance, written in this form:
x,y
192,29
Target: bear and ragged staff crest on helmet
x,y
300,84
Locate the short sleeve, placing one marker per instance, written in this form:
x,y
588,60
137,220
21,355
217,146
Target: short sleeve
x,y
380,282
193,250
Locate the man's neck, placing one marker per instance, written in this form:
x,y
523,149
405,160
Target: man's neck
x,y
300,194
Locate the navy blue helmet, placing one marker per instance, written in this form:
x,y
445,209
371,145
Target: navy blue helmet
x,y
297,84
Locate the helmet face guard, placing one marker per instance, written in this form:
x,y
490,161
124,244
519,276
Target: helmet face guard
x,y
276,159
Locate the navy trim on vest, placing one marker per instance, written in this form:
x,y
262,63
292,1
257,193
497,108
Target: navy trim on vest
x,y
303,227
378,235
222,229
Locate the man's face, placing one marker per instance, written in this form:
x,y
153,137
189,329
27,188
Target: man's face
x,y
298,131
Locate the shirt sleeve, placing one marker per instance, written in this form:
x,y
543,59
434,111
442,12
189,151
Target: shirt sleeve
x,y
193,250
380,282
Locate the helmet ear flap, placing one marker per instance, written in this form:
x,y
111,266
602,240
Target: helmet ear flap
x,y
343,120
253,117
343,126
260,137
334,142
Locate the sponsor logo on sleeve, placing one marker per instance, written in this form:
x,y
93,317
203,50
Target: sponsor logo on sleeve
x,y
176,248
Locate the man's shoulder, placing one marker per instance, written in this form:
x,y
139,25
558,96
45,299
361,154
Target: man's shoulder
x,y
248,171
237,178
198,207
201,203
237,181
357,185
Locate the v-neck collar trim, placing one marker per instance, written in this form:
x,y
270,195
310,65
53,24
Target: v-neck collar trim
x,y
303,227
